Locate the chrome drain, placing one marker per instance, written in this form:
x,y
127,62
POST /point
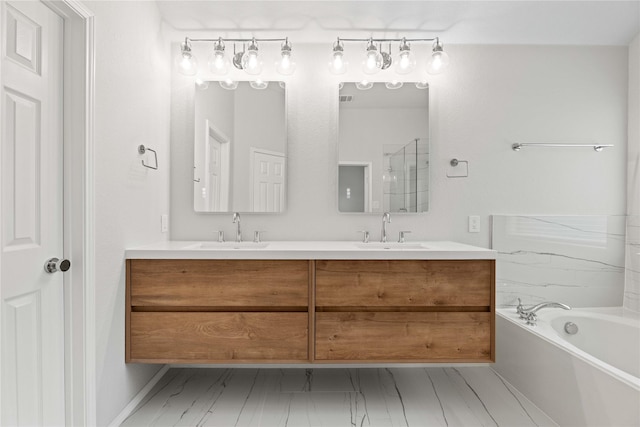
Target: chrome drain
x,y
571,328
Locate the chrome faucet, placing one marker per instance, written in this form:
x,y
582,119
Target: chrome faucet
x,y
529,314
386,218
236,220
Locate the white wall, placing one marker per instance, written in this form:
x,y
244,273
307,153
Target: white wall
x,y
132,107
490,97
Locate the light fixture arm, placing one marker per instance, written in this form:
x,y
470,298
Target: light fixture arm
x,y
286,46
252,39
437,45
219,45
403,39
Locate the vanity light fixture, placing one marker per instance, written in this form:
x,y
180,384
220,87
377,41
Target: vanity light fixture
x,y
338,65
406,58
373,61
376,60
187,63
218,63
439,59
250,61
247,59
285,65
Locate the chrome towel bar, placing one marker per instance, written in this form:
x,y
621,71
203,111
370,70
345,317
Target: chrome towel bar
x,y
596,147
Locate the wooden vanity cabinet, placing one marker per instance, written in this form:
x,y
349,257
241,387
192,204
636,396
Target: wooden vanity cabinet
x,y
299,311
217,311
404,311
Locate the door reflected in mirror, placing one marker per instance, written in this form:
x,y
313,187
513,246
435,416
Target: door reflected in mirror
x,y
240,143
383,148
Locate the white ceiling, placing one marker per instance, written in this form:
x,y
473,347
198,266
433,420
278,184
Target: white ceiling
x,y
458,22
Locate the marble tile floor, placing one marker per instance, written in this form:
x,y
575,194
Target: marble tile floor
x,y
335,397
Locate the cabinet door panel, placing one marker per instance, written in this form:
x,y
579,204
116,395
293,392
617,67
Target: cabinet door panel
x,y
221,283
208,337
404,283
403,337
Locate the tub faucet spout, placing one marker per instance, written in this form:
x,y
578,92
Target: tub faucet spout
x,y
529,314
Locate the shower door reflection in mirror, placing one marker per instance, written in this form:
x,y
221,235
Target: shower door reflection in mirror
x,y
240,141
383,148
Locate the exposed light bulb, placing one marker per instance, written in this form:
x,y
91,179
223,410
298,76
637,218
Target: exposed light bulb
x,y
373,60
338,65
218,63
186,63
250,61
439,59
285,65
407,60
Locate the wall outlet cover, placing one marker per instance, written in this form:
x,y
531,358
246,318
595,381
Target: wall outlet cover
x,y
474,224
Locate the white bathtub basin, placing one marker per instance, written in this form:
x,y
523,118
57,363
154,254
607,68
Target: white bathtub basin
x,y
585,379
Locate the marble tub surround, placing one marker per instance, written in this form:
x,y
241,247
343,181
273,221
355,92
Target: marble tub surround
x,y
632,265
577,260
309,250
412,397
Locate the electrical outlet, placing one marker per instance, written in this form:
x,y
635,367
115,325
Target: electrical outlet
x,y
474,224
164,223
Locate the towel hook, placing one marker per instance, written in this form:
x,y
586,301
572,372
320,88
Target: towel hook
x,y
142,149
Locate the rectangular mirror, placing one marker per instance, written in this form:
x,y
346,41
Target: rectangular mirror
x,y
240,143
383,148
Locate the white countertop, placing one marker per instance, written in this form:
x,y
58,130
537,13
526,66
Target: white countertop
x,y
309,250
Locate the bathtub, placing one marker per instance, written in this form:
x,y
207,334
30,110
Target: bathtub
x,y
587,379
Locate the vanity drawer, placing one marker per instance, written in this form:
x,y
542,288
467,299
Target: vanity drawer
x,y
218,337
226,284
404,283
403,337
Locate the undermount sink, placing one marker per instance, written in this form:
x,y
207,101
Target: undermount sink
x,y
390,245
228,245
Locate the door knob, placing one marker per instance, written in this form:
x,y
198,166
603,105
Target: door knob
x,y
54,264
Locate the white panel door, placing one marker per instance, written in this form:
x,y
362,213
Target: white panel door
x,y
268,181
32,304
